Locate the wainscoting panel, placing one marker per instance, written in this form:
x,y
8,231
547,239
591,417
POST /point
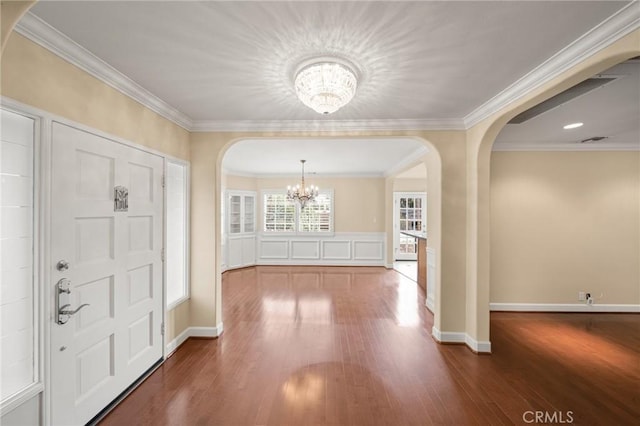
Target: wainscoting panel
x,y
305,249
273,249
339,249
336,250
241,251
368,250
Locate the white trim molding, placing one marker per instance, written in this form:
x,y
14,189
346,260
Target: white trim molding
x,y
562,307
481,347
347,249
460,338
326,125
623,22
211,332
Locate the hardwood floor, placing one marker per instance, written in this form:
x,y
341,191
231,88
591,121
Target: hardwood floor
x,y
353,346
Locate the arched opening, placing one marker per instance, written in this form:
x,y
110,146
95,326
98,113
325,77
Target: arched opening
x,y
363,199
482,138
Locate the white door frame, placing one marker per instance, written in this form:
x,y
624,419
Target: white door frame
x,y
42,220
396,228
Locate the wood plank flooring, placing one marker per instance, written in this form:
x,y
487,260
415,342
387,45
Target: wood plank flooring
x,y
353,346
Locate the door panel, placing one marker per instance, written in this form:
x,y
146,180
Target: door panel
x,y
115,268
409,215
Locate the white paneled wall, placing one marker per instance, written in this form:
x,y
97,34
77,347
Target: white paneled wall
x,y
341,248
17,254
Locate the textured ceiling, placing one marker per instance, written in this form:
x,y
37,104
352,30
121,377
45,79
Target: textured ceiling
x,y
232,62
325,156
612,111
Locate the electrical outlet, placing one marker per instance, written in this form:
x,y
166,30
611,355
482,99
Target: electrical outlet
x,y
581,296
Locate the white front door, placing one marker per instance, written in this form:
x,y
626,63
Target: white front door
x,y
409,212
114,266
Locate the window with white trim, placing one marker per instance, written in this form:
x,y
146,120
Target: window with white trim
x,y
279,213
177,232
316,216
285,216
18,237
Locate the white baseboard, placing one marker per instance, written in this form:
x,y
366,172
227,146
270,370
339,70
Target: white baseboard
x,y
457,337
175,343
193,332
562,307
481,347
430,304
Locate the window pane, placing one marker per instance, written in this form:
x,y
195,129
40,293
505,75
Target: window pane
x,y
316,216
177,227
17,351
279,213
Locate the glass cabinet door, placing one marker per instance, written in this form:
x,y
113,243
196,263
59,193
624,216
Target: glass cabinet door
x,y
249,213
235,214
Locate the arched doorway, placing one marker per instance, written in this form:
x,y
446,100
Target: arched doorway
x,y
481,138
383,218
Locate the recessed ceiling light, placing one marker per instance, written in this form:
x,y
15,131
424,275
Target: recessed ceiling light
x,y
572,126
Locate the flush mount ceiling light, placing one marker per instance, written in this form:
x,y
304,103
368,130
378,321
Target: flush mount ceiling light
x,y
572,126
325,84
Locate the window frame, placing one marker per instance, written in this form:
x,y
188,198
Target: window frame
x,y
38,280
296,222
186,295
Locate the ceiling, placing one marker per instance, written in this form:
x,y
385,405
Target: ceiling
x,y
221,65
326,156
612,111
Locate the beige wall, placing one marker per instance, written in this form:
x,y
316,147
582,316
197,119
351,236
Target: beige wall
x,y
563,222
36,77
480,139
410,185
359,202
242,183
10,14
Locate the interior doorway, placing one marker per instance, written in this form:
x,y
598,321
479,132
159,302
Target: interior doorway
x,y
409,215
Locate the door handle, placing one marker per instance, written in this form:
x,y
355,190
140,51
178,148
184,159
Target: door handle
x,y
63,291
64,312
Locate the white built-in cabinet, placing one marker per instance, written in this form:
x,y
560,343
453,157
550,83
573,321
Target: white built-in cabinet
x,y
241,229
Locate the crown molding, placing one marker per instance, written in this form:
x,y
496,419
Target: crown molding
x,y
615,27
407,161
607,32
38,31
565,146
326,125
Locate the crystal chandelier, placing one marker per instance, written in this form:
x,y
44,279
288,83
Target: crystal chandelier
x,y
301,193
325,84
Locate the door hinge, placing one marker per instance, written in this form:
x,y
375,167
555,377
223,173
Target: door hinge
x,y
162,254
162,329
163,181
